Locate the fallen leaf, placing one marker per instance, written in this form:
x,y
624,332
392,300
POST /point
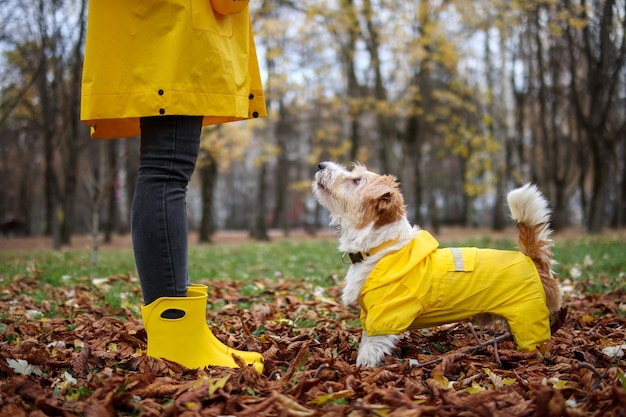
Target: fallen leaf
x,y
22,367
615,351
325,399
215,384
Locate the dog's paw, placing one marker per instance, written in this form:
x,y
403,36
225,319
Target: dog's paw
x,y
369,362
373,349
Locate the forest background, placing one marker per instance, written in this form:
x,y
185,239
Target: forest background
x,y
461,100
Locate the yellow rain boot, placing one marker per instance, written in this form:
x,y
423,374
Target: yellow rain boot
x,y
188,340
248,357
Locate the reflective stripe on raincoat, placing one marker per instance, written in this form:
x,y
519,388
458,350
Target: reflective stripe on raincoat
x,y
167,57
422,286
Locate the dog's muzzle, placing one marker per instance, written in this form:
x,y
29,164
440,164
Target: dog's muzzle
x,y
322,176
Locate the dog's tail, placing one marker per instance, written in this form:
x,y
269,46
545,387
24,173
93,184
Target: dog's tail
x,y
530,210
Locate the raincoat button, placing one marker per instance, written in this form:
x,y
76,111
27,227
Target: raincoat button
x,y
255,114
251,96
161,111
160,92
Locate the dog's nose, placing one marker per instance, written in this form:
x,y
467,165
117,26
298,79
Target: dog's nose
x,y
321,166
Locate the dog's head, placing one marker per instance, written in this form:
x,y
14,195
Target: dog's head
x,y
358,198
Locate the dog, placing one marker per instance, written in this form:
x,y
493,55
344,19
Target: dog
x,y
402,280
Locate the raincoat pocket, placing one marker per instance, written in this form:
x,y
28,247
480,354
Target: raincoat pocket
x,y
445,261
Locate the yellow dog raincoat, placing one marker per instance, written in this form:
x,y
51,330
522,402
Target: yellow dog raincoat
x,y
422,286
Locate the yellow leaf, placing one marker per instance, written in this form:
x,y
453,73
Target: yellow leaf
x,y
325,399
588,319
495,379
442,380
190,405
475,388
199,381
559,383
215,384
72,396
508,381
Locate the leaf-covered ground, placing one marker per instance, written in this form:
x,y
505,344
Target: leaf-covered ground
x,y
63,356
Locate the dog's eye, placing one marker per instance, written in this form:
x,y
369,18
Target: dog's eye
x,y
356,181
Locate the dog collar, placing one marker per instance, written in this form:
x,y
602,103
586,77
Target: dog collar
x,y
356,257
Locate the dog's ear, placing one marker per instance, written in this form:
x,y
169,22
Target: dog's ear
x,y
386,202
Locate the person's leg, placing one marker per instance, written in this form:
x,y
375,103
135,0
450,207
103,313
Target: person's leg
x,y
172,311
169,148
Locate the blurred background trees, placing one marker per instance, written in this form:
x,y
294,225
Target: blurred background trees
x,y
461,100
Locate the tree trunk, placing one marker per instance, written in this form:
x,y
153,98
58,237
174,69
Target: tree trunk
x,y
596,99
258,229
498,207
417,130
283,133
620,212
560,213
353,89
208,178
48,111
51,194
131,160
73,138
380,92
602,170
111,223
543,138
414,149
99,191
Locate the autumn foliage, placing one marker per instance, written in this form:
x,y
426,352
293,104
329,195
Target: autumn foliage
x,y
65,356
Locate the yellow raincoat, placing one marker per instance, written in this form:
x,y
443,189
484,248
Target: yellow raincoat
x,y
167,57
423,286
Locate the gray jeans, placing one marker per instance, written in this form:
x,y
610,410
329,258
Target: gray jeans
x,y
169,149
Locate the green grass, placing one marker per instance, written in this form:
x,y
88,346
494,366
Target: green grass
x,y
314,261
593,264
62,267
